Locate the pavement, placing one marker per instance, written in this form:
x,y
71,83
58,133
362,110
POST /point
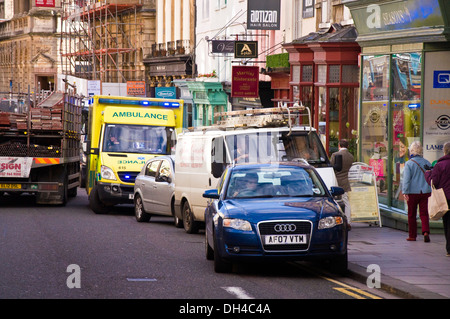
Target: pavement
x,y
408,269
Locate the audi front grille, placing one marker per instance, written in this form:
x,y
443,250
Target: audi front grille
x,y
286,232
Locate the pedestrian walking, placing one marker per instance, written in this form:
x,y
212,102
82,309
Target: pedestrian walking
x,y
440,175
416,191
342,175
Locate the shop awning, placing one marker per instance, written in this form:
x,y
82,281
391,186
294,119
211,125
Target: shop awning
x,y
211,93
396,22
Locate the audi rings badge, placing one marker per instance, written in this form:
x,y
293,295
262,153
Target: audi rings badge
x,y
285,228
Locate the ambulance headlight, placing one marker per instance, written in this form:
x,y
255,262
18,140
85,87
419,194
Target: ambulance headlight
x,y
107,173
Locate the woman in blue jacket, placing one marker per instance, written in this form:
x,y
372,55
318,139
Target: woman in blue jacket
x,y
416,191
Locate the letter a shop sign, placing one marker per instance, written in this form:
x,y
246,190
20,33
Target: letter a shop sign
x,y
245,81
263,15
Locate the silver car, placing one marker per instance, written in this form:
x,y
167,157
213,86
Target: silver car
x,y
154,190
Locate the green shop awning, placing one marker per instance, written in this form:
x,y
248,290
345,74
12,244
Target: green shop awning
x,y
211,93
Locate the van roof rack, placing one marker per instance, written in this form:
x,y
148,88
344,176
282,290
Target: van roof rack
x,y
283,115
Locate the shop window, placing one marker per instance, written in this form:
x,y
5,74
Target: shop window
x,y
322,73
350,74
335,73
405,104
307,73
322,115
374,110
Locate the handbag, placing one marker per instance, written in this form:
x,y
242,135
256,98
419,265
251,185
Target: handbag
x,y
437,203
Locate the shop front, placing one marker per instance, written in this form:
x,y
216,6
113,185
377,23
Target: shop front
x,y
405,87
324,77
205,99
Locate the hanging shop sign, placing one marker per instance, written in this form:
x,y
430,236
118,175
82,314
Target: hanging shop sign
x,y
45,3
166,92
436,123
245,81
245,49
263,15
222,46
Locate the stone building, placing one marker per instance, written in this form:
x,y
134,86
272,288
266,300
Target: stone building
x,y
28,46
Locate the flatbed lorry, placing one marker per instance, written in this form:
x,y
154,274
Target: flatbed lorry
x,y
40,150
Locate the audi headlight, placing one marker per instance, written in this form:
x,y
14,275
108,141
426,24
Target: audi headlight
x,y
238,224
107,173
330,222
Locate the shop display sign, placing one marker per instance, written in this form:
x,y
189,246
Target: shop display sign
x,y
45,3
436,122
222,46
363,196
263,15
136,88
245,81
396,15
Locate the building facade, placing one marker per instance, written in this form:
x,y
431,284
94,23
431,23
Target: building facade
x,y
405,86
29,45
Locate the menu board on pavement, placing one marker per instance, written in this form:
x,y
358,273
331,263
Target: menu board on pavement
x,y
364,196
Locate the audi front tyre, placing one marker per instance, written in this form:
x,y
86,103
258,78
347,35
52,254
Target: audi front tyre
x,y
208,250
220,265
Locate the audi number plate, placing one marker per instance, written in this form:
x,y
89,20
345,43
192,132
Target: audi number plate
x,y
284,239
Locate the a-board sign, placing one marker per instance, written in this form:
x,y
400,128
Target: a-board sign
x,y
363,196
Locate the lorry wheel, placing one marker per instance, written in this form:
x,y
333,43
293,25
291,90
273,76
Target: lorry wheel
x,y
141,215
190,225
96,205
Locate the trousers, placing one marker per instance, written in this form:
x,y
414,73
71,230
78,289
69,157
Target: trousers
x,y
420,200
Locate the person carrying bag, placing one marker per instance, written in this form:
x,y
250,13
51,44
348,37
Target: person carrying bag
x,y
437,203
416,192
439,177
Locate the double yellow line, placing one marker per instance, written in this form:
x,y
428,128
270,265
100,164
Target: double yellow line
x,y
351,291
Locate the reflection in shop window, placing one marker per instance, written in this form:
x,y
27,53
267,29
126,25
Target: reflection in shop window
x,y
374,108
405,104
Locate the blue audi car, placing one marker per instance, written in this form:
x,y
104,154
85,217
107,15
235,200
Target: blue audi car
x,y
276,212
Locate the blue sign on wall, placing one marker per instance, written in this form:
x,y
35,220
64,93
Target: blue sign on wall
x,y
441,79
166,92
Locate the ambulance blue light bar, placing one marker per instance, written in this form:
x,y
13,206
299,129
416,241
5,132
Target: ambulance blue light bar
x,y
140,102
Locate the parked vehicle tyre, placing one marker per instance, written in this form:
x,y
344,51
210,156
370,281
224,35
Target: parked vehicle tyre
x,y
96,205
190,225
141,215
220,265
208,250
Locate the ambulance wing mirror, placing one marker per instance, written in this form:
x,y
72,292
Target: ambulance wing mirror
x,y
91,150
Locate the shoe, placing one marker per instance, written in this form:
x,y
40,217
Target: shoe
x,y
410,239
426,238
448,255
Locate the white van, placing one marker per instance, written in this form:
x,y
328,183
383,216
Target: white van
x,y
202,155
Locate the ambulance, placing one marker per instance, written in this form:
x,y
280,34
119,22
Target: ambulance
x,y
123,133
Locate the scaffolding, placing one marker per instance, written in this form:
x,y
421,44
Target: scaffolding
x,y
100,40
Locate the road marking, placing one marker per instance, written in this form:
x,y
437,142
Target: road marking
x,y
238,292
346,289
349,290
141,279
